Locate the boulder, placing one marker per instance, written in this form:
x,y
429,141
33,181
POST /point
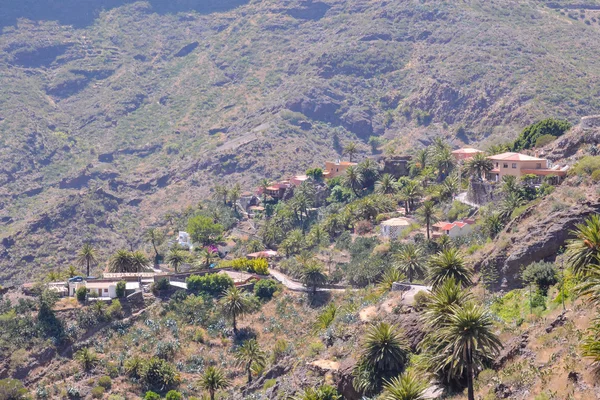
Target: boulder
x,y
511,349
344,380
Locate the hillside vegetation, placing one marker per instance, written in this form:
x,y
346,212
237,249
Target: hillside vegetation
x,y
116,113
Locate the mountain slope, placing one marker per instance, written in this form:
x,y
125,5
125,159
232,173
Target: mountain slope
x,y
137,109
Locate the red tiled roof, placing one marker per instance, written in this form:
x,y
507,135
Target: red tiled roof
x,y
510,156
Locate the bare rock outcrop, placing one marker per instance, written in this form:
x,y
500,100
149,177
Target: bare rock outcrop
x,y
540,241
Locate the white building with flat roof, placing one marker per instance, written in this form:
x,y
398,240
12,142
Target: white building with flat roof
x,y
392,228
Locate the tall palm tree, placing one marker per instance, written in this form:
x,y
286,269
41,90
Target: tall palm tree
x,y
156,237
139,262
121,261
443,159
449,263
409,193
263,185
248,354
87,359
479,165
350,150
386,185
313,275
213,380
410,261
71,272
509,184
449,187
384,354
440,301
419,161
234,195
470,334
388,279
404,387
493,223
353,180
584,249
220,192
428,213
590,285
369,172
235,305
87,257
176,257
510,203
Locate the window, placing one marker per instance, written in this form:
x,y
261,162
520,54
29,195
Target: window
x,y
105,290
514,165
496,165
538,166
505,165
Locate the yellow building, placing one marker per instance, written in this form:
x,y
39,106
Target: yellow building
x,y
517,164
333,169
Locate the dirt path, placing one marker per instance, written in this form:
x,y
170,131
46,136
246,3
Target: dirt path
x,y
296,286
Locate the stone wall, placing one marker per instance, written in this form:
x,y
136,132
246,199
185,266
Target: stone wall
x,y
481,192
397,166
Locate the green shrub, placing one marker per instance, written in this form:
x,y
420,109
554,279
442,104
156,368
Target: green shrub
x,y
160,374
542,274
115,310
98,392
269,383
121,288
12,389
265,288
105,382
544,140
81,294
420,299
586,166
596,176
173,395
151,396
553,127
161,284
258,266
213,284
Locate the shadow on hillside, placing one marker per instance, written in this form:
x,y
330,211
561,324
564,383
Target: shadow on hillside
x,y
81,13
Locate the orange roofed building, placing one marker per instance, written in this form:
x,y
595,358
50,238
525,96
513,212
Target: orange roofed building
x,y
333,169
517,164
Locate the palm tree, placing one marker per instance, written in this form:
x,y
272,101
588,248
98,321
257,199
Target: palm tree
x,y
206,257
87,257
139,262
590,284
220,192
71,272
263,185
510,203
509,184
497,149
248,354
440,301
87,359
470,336
176,257
449,187
493,223
409,193
121,261
584,249
384,354
325,392
369,172
410,261
235,304
353,180
313,275
479,165
213,379
350,149
405,387
442,158
446,264
156,238
419,161
388,279
427,213
386,185
234,195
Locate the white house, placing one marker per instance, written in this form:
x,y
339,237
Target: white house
x,y
101,288
184,240
453,229
392,228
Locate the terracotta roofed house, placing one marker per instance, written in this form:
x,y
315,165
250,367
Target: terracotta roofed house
x,y
517,164
453,229
337,168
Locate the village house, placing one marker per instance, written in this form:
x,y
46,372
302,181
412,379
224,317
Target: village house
x,y
465,153
453,229
337,168
103,288
279,190
392,228
516,164
184,240
267,254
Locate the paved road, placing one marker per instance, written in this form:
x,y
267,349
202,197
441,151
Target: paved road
x,y
296,286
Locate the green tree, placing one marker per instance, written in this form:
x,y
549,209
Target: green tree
x,y
427,212
530,134
12,389
155,237
221,193
542,274
350,150
235,305
177,257
479,165
263,185
384,354
441,300
234,195
509,184
443,159
410,260
206,257
493,224
405,387
87,257
410,192
353,180
139,262
389,277
469,332
324,392
213,380
386,185
584,249
312,275
87,359
249,354
315,173
204,230
121,261
509,204
369,172
449,263
293,243
419,162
